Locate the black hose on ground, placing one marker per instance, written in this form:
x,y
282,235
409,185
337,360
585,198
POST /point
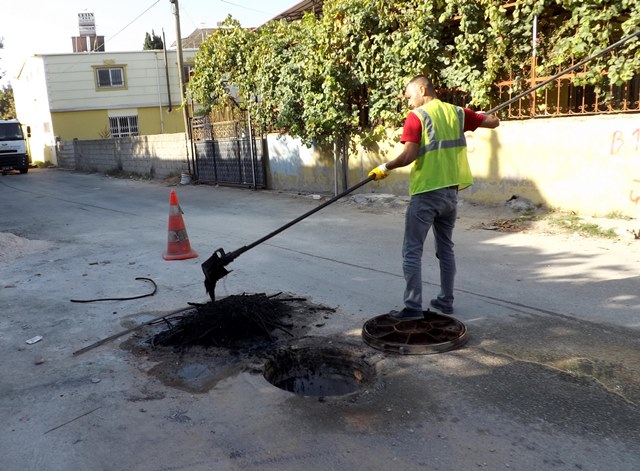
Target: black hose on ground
x,y
155,288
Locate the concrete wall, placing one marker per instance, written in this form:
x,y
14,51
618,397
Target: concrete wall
x,y
66,157
588,164
154,156
294,167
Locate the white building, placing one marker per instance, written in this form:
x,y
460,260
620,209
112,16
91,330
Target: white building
x,y
99,95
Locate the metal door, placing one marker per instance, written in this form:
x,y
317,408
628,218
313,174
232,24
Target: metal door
x,y
224,154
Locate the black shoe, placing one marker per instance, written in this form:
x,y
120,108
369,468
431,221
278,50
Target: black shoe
x,y
407,315
440,306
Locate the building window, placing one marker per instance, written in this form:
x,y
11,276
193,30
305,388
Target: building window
x,y
123,126
110,77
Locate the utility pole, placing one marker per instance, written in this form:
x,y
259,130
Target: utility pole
x,y
534,62
185,108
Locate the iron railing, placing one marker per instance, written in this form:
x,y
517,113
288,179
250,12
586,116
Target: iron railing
x,y
565,97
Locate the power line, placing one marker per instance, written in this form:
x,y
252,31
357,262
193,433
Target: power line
x,y
131,22
183,11
246,8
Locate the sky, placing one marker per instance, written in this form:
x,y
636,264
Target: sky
x,y
31,27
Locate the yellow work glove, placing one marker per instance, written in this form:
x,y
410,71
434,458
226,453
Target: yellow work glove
x,y
380,172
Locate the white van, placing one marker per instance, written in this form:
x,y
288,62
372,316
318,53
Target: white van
x,y
14,151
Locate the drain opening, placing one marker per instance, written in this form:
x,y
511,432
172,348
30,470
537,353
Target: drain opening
x,y
319,371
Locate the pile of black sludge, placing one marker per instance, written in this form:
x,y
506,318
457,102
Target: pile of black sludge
x,y
230,322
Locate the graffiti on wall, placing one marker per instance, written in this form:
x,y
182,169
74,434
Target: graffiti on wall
x,y
632,195
627,142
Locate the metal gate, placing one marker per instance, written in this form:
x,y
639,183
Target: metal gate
x,y
224,154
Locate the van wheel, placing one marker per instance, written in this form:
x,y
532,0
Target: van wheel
x,y
24,170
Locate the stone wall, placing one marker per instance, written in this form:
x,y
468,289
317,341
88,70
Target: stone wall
x,y
66,154
156,156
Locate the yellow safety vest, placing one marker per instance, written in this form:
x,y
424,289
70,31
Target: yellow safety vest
x,y
442,157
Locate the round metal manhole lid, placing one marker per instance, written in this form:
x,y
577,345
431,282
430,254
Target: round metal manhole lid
x,y
436,333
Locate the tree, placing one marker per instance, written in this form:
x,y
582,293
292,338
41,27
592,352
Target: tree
x,y
1,46
345,71
224,59
7,104
152,41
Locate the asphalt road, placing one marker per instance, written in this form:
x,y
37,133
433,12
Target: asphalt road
x,y
549,379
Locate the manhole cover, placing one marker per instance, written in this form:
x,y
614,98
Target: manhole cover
x,y
435,333
319,370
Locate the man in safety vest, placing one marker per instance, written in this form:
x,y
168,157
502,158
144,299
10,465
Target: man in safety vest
x,y
433,138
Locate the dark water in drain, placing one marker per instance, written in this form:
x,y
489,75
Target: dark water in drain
x,y
314,384
194,372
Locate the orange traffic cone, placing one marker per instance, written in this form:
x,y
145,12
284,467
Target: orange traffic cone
x,y
178,247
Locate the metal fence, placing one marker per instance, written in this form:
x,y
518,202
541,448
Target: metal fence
x,y
566,97
201,128
231,161
226,155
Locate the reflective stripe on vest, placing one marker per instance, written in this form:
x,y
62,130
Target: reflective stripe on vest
x,y
431,133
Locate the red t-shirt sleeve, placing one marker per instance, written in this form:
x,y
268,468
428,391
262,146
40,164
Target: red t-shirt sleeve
x,y
472,120
412,131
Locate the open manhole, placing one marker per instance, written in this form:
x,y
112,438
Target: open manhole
x,y
193,349
319,370
435,333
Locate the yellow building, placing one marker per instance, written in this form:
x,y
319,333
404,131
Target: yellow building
x,y
98,95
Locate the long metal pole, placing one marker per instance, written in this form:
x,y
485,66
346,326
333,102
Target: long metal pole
x,y
166,69
335,167
235,254
533,64
185,108
159,97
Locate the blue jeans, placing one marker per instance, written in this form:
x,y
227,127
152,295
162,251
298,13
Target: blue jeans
x,y
437,209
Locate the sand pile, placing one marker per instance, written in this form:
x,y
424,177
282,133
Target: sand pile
x,y
12,246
